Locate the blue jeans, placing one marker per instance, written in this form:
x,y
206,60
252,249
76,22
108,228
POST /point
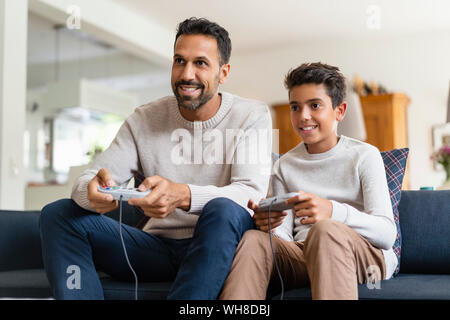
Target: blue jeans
x,y
76,239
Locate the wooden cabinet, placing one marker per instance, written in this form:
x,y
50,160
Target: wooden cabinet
x,y
385,117
287,139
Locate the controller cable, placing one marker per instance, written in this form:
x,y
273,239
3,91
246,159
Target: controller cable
x,y
125,250
273,252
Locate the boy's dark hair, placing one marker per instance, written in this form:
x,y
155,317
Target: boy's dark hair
x,y
203,26
319,73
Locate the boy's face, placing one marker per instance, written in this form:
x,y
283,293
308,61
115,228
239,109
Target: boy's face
x,y
313,117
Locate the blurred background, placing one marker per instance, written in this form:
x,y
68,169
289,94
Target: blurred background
x,y
72,71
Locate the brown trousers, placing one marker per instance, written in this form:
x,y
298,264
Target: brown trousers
x,y
333,259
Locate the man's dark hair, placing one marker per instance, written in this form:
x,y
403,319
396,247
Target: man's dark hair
x,y
203,26
319,73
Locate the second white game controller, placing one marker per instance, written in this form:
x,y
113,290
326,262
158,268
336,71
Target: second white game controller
x,y
277,203
125,193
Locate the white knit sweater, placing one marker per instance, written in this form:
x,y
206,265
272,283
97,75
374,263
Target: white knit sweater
x,y
215,158
352,176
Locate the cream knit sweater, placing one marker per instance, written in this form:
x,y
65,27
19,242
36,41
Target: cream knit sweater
x,y
352,176
228,156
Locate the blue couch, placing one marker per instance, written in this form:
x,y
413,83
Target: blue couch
x,y
424,268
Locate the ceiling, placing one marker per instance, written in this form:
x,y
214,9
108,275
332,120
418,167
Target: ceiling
x,y
77,54
256,24
252,24
46,44
259,24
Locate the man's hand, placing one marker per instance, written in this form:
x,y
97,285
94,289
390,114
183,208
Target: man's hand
x,y
262,218
101,202
165,196
312,207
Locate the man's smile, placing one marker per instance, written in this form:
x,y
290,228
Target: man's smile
x,y
189,90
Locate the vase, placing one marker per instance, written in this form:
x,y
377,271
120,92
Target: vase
x,y
446,184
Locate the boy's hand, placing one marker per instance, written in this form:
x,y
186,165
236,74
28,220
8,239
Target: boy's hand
x,y
262,220
165,196
102,203
312,207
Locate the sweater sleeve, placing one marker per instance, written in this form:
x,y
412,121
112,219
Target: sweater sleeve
x,y
120,158
376,222
249,176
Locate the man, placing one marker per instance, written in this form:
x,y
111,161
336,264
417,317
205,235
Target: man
x,y
191,148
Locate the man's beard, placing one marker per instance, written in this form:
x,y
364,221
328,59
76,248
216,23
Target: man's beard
x,y
191,103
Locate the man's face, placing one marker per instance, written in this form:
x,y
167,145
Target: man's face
x,y
313,117
196,71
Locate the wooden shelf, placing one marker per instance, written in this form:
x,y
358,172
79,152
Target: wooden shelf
x,y
288,139
385,117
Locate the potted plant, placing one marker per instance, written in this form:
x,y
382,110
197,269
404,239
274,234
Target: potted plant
x,y
442,156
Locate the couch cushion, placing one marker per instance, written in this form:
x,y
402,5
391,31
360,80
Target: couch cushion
x,y
117,290
394,165
425,221
402,287
31,283
20,243
410,287
34,283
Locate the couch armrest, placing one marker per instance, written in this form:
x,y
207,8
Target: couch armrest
x,y
20,244
425,227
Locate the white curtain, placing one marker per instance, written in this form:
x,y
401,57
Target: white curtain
x,y
353,124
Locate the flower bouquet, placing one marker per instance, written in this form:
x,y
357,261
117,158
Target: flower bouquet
x,y
442,156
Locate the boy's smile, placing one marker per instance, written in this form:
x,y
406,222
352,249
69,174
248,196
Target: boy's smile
x,y
313,117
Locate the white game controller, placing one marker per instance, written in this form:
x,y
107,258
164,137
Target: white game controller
x,y
276,203
126,193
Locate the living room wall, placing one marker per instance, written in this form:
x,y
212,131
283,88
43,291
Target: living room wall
x,y
417,65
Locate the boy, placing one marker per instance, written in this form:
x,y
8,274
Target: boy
x,y
341,227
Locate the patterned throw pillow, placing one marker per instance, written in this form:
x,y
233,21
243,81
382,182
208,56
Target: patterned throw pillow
x,y
395,165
